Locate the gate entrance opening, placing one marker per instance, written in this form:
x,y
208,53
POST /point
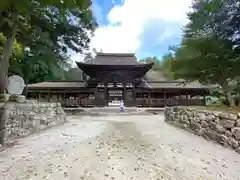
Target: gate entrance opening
x,y
115,96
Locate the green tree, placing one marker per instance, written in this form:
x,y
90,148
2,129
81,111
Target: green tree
x,y
209,50
73,74
65,23
207,61
166,64
56,17
17,47
155,60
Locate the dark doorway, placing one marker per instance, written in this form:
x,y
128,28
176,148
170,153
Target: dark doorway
x,y
115,96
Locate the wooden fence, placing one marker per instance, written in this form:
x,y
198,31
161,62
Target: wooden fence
x,y
139,102
168,102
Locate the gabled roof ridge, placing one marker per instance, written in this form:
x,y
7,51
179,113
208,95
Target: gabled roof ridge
x,y
113,59
168,81
64,81
116,54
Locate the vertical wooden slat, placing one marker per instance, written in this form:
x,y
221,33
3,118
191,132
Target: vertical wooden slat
x,y
64,98
204,100
79,99
105,94
48,96
133,96
149,98
164,98
124,92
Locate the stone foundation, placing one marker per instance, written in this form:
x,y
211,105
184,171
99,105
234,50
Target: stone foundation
x,y
26,118
220,127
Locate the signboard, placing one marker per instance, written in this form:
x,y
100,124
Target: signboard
x,y
120,85
115,93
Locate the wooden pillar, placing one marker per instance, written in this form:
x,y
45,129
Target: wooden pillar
x,y
79,99
133,96
48,97
204,100
64,98
164,98
96,96
105,94
149,98
124,93
100,99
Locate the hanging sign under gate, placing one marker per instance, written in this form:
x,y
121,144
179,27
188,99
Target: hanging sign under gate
x,y
115,93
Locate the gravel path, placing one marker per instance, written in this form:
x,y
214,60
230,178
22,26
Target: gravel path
x,y
117,148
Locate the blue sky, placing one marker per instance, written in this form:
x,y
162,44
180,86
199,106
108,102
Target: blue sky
x,y
146,28
101,8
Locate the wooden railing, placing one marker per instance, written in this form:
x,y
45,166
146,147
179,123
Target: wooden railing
x,y
149,102
168,102
71,102
185,102
192,102
140,102
87,102
156,102
77,102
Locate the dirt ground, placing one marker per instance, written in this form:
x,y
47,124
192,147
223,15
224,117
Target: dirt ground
x,y
117,148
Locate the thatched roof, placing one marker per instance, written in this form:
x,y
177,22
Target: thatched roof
x,y
173,85
57,84
147,84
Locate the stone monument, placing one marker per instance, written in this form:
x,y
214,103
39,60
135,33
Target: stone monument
x,y
15,88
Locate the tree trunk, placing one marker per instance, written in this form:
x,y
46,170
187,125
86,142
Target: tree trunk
x,y
4,64
7,52
230,99
228,93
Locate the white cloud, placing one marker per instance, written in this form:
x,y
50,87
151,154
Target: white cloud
x,y
74,57
116,39
167,33
131,18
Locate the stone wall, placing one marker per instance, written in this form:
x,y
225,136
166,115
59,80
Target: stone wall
x,y
26,118
220,127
